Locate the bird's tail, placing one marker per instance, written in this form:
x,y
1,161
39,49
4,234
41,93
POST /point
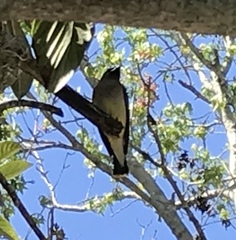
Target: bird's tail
x,y
119,170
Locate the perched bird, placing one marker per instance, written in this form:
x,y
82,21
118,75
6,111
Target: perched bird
x,y
111,97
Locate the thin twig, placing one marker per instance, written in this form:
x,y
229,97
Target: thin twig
x,y
194,91
214,67
146,156
153,194
176,56
76,146
167,174
16,200
210,194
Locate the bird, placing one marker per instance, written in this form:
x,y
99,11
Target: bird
x,y
111,97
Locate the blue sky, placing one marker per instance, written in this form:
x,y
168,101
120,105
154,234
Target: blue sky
x,y
129,223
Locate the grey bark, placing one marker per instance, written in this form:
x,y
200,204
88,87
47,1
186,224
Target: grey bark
x,y
202,16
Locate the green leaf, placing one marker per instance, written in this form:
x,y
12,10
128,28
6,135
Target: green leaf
x,y
7,230
14,168
59,48
22,85
8,149
19,80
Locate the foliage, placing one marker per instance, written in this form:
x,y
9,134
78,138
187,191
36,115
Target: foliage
x,y
47,51
182,96
6,229
10,169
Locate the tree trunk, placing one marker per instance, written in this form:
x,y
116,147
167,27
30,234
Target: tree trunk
x,y
202,16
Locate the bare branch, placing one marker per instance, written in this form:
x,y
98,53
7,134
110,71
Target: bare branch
x,y
31,104
87,109
76,146
176,55
146,156
85,205
79,103
213,67
196,51
150,122
220,88
16,200
167,174
192,89
156,199
190,201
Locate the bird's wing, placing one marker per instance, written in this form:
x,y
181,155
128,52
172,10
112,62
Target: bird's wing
x,y
126,132
106,143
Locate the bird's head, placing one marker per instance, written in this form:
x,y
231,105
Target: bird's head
x,y
112,74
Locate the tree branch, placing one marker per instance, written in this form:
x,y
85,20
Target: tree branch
x,y
210,194
211,66
192,89
12,193
85,205
219,86
173,183
31,104
146,156
155,196
78,103
88,110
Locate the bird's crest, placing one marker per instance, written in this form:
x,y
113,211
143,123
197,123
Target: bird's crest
x,y
113,73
